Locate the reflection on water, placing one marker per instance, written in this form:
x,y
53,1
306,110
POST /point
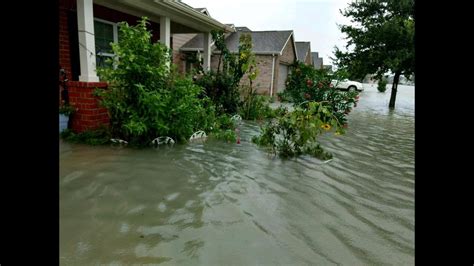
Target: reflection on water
x,y
219,203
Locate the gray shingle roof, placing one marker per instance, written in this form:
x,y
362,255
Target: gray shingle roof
x,y
242,29
263,42
301,50
315,56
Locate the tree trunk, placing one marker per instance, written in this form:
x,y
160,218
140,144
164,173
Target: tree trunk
x,y
393,95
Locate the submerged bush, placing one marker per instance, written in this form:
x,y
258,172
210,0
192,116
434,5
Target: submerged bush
x,y
146,98
98,136
382,85
305,84
319,108
295,133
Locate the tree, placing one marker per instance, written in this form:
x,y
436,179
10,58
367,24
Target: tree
x,y
382,39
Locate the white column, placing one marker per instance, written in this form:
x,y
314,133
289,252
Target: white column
x,y
85,23
165,35
207,51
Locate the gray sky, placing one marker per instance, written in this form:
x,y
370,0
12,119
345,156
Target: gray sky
x,y
311,20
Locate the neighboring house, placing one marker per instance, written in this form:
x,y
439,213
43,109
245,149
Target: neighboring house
x,y
303,52
275,51
317,61
328,67
87,27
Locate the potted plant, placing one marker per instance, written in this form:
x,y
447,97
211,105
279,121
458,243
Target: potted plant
x,y
65,110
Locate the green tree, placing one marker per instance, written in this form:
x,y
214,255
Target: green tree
x,y
381,39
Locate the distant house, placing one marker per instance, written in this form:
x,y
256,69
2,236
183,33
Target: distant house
x,y
303,52
328,67
87,27
275,51
317,61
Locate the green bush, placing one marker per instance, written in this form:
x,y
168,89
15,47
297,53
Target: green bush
x,y
295,133
382,85
306,84
99,136
146,98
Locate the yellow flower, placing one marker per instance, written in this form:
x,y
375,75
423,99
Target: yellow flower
x,y
326,126
337,133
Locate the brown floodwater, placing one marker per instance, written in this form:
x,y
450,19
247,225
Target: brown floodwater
x,y
217,203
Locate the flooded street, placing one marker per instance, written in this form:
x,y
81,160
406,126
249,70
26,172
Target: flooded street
x,y
216,203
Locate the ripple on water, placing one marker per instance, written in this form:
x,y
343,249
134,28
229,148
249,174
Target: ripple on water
x,y
218,203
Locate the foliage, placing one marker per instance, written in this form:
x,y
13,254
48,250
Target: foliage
x,y
381,39
99,136
66,109
305,84
255,107
146,98
295,133
222,85
382,85
220,88
284,96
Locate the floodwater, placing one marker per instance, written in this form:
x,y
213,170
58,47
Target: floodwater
x,y
218,203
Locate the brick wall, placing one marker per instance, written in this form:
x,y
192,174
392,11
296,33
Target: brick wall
x,y
288,56
64,51
89,115
263,81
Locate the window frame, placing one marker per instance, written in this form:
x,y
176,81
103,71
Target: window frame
x,y
114,33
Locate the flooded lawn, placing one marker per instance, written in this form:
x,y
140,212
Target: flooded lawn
x,y
217,203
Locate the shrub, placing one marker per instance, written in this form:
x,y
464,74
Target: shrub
x,y
146,98
382,85
306,84
295,133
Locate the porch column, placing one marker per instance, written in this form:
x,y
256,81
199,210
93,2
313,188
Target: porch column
x,y
207,51
85,24
165,35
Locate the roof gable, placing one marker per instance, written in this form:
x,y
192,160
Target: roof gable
x,y
302,49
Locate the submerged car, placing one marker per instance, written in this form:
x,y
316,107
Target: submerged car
x,y
348,85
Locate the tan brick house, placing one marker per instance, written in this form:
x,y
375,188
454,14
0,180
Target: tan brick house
x,y
303,52
317,61
275,51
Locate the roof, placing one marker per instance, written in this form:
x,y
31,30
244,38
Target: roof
x,y
263,42
203,10
316,59
177,11
302,49
242,29
195,43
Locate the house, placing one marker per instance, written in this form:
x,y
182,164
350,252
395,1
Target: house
x,y
317,61
328,67
275,51
86,28
303,52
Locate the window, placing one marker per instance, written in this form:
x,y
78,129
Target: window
x,y
105,33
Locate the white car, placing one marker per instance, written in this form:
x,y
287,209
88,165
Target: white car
x,y
347,85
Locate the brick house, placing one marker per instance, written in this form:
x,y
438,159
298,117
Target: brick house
x,y
87,27
303,52
317,61
275,51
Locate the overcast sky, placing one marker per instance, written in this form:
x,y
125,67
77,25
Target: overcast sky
x,y
311,20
